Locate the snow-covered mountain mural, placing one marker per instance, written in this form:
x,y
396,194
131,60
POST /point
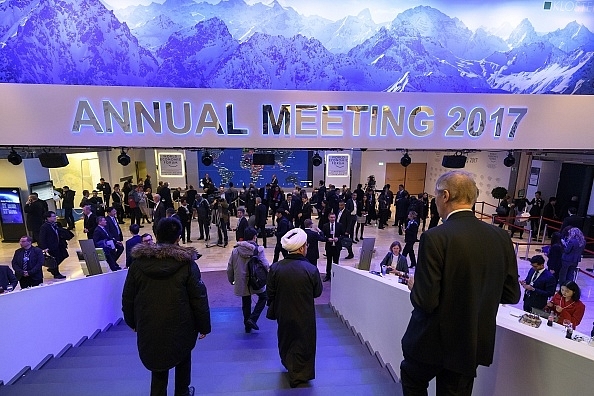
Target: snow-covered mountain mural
x,y
255,45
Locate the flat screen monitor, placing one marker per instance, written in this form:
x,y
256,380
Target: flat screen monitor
x,y
10,206
44,189
263,159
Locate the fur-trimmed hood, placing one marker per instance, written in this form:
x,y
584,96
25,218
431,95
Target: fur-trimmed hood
x,y
162,260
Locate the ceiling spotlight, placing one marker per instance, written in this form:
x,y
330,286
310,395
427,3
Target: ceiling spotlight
x,y
510,160
14,157
405,160
207,158
316,160
123,158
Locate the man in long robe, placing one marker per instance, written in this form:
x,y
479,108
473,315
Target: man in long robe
x,y
292,285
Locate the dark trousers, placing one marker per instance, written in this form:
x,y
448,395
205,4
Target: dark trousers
x,y
135,215
246,307
567,272
408,248
69,217
415,377
433,222
332,256
186,229
360,226
278,249
262,230
204,227
222,232
118,252
110,258
26,282
534,227
159,379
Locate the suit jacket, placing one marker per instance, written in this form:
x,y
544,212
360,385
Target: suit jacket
x,y
90,223
544,288
68,199
159,213
573,221
240,231
34,266
113,228
261,216
338,233
456,329
345,220
313,251
49,239
130,243
282,226
7,277
101,236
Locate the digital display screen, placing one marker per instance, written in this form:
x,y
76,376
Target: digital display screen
x,y
11,211
291,167
45,190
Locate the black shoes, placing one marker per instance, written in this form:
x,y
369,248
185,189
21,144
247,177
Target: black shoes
x,y
326,279
350,256
191,391
201,238
58,275
250,323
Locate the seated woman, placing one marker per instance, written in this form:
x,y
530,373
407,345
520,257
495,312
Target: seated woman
x,y
394,256
567,305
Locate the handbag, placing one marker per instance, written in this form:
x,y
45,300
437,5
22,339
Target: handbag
x,y
64,233
50,262
346,242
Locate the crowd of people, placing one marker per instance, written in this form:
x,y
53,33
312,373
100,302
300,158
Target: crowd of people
x,y
294,280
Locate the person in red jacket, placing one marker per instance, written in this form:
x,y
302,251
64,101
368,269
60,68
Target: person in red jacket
x,y
567,305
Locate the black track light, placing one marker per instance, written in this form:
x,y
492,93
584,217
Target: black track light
x,y
123,158
14,157
316,159
510,160
405,160
207,158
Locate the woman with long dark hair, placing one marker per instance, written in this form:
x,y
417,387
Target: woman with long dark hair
x,y
567,305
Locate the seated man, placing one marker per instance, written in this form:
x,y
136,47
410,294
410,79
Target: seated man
x,y
103,240
7,279
27,263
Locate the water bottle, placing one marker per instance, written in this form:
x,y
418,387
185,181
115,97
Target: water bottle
x,y
383,270
551,319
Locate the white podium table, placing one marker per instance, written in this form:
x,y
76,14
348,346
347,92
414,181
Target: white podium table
x,y
527,360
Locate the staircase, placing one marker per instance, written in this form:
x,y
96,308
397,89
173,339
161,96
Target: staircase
x,y
228,361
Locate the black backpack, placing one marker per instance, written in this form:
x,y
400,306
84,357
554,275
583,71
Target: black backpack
x,y
257,272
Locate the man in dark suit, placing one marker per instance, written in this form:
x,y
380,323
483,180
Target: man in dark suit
x,y
165,194
27,263
130,243
51,243
282,226
105,189
333,232
68,205
344,218
539,285
304,213
314,235
242,224
114,230
261,217
35,209
102,239
455,301
549,212
351,205
573,220
89,221
159,212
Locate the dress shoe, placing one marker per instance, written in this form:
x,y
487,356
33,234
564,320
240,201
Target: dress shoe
x,y
248,329
190,241
411,266
350,256
252,324
191,391
58,275
326,279
226,243
141,226
356,239
201,238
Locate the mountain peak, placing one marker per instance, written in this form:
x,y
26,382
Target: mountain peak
x,y
524,33
365,14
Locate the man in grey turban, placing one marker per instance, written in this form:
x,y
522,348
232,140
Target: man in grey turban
x,y
292,285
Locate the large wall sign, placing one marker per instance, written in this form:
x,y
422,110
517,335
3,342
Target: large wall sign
x,y
53,115
171,164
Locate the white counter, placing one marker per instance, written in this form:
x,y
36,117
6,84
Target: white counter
x,y
527,360
42,320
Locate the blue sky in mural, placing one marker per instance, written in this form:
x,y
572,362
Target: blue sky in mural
x,y
292,167
392,46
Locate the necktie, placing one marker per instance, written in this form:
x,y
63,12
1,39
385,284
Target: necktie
x,y
534,277
332,228
116,225
26,260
